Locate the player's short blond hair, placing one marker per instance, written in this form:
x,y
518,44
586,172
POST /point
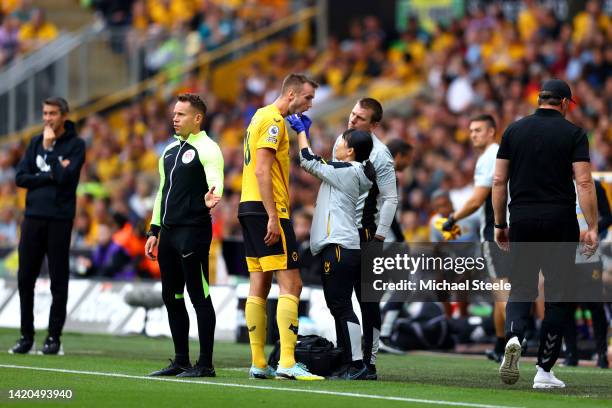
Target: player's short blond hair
x,y
296,81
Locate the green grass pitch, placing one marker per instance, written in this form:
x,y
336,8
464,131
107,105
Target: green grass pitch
x,y
108,371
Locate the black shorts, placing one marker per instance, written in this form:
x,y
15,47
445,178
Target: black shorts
x,y
498,261
262,258
367,234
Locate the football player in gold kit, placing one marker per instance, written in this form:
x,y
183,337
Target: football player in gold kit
x,y
269,239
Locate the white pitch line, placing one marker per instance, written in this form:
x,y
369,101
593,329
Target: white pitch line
x,y
586,370
562,370
260,387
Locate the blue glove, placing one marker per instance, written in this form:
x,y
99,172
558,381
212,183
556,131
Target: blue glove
x,y
296,123
449,224
307,122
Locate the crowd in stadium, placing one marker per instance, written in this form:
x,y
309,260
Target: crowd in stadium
x,y
23,29
171,32
481,63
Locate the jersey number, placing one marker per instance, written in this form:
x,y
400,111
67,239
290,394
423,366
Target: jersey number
x,y
247,150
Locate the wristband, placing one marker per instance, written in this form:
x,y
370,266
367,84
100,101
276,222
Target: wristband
x,y
153,231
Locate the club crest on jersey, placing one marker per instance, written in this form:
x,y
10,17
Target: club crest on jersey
x,y
272,134
188,156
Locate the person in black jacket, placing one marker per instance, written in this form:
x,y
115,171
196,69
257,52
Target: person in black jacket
x,y
50,172
190,185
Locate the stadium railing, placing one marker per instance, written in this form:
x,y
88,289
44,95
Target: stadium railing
x,y
160,81
69,66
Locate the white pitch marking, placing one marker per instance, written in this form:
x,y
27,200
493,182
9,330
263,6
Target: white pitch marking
x,y
261,387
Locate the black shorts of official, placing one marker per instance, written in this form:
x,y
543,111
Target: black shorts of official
x,y
262,258
497,261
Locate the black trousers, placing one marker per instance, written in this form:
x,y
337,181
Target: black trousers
x,y
370,311
183,261
555,259
340,270
40,237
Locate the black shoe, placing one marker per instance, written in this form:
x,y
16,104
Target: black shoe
x,y
602,360
349,372
198,371
52,346
570,361
172,370
494,355
524,347
371,372
23,346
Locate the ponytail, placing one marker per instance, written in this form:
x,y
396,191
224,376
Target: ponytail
x,y
369,170
361,142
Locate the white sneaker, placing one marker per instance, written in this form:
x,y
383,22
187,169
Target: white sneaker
x,y
545,379
297,372
262,373
509,369
385,347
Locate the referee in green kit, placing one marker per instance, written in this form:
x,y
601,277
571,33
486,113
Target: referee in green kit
x,y
191,183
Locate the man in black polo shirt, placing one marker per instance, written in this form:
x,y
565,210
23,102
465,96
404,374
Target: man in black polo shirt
x,y
539,156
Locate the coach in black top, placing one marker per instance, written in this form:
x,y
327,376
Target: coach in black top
x,y
50,172
540,155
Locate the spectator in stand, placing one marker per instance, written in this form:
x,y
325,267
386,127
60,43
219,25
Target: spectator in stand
x,y
9,39
8,227
8,6
37,32
23,11
141,201
414,232
115,12
7,171
80,231
166,13
108,260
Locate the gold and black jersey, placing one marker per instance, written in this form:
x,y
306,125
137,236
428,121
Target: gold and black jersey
x,y
266,130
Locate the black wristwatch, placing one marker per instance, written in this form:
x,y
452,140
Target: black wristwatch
x,y
150,234
501,226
